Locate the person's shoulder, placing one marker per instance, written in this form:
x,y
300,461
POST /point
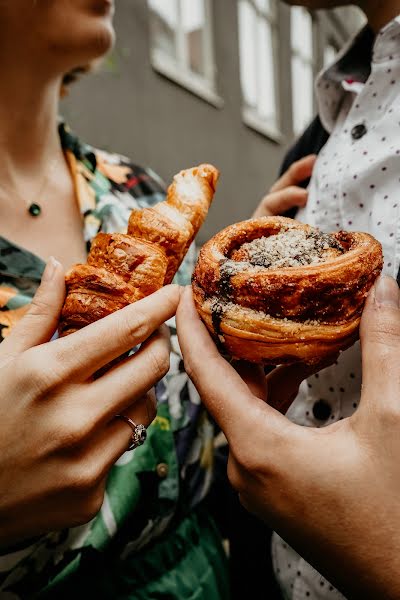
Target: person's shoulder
x,y
128,176
115,172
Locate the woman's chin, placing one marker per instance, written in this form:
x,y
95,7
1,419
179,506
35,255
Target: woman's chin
x,y
84,46
101,41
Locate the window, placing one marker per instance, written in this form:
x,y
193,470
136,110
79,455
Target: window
x,y
302,41
182,47
259,64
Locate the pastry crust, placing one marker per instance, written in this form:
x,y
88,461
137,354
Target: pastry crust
x,y
283,315
124,268
173,224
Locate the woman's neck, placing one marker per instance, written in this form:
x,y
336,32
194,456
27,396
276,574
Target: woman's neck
x,y
28,124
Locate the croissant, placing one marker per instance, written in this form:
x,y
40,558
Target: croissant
x,y
123,268
272,290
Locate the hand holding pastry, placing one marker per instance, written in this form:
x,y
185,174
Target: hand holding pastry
x,y
286,192
272,290
66,388
331,493
58,433
123,268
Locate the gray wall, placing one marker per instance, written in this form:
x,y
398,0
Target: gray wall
x,y
129,108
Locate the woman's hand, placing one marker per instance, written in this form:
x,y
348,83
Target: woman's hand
x,y
332,493
58,434
286,193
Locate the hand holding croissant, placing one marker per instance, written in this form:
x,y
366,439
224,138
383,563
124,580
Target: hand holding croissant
x,y
123,268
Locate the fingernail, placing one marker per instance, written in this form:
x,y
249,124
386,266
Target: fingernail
x,y
387,292
51,268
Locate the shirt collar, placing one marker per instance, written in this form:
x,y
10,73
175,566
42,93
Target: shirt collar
x,y
353,67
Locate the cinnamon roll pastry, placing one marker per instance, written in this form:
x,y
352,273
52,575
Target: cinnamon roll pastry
x,y
123,268
272,290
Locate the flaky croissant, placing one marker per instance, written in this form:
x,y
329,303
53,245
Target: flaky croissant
x,y
123,268
272,290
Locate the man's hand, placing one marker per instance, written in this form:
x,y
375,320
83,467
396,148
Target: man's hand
x,y
332,493
286,193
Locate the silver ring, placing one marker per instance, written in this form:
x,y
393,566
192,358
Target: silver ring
x,y
138,435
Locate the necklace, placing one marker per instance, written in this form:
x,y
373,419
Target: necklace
x,y
34,208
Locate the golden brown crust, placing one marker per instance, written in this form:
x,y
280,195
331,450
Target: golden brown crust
x,y
288,314
173,224
124,268
140,264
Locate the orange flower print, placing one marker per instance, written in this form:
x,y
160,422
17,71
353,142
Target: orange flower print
x,y
9,318
116,173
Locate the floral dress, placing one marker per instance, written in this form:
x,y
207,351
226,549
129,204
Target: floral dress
x,y
152,538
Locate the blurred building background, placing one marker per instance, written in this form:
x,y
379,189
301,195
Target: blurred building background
x,y
223,81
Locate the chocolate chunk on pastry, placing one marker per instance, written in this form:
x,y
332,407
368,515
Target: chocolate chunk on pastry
x,y
272,290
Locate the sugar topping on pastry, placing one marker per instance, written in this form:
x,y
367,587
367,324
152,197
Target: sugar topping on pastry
x,y
290,248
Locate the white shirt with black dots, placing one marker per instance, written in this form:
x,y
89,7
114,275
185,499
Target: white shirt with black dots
x,y
355,186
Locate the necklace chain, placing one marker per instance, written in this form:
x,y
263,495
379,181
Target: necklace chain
x,y
34,208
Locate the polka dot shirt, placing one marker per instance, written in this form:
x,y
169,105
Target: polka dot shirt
x,y
355,186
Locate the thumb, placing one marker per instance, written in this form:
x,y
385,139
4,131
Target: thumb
x,y
41,320
226,396
380,340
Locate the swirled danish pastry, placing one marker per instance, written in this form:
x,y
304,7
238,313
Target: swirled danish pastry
x,y
272,290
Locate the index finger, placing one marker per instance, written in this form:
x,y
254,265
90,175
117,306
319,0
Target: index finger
x,y
224,393
84,352
298,172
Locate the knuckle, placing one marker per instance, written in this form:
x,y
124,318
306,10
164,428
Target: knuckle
x,y
37,370
39,307
386,330
247,459
84,476
159,362
291,190
135,326
388,411
66,363
89,507
189,368
265,201
256,459
73,432
389,417
234,477
296,166
292,170
266,209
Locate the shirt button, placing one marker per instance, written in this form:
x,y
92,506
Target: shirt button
x,y
162,470
321,410
358,131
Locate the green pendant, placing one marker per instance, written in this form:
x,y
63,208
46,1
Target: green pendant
x,y
34,210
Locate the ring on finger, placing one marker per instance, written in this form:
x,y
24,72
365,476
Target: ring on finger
x,y
138,432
